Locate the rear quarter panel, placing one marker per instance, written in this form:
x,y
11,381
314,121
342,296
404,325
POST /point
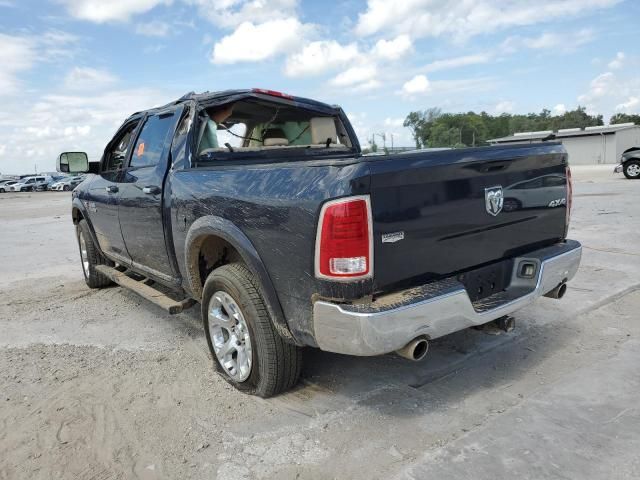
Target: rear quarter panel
x,y
276,205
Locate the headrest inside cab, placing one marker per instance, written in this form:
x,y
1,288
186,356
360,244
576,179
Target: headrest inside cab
x,y
323,128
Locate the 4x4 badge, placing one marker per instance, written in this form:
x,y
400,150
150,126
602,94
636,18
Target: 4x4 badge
x,y
493,200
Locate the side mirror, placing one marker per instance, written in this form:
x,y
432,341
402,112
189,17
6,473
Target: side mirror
x,y
73,162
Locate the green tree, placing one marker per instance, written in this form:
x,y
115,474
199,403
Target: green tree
x,y
625,118
432,128
420,123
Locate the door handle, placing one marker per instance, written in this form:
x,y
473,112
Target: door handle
x,y
112,189
151,190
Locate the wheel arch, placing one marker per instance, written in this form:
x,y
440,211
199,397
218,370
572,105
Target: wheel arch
x,y
79,212
218,241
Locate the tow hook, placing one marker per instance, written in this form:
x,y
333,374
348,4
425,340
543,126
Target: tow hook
x,y
506,323
496,327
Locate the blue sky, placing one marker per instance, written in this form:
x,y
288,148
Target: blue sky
x,y
72,70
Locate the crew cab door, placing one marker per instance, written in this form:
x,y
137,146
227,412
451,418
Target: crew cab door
x,y
140,208
104,192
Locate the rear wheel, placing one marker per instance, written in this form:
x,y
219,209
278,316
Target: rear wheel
x,y
90,257
246,349
631,169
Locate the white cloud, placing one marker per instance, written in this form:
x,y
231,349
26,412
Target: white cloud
x,y
155,28
599,87
322,56
86,78
392,49
394,122
504,107
630,106
440,88
362,77
460,20
251,43
100,11
231,13
16,55
66,122
550,41
367,86
418,84
20,53
559,109
319,57
608,93
367,128
617,61
456,62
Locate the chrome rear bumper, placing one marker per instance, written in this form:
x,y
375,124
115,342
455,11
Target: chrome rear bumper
x,y
438,308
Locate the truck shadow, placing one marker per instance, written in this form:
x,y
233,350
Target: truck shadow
x,y
456,367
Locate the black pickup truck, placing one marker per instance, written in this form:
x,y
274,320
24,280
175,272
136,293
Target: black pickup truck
x,y
261,207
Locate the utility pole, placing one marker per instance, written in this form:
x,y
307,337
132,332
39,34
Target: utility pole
x,y
391,142
384,139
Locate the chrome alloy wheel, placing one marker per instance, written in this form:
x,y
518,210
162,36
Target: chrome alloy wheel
x,y
84,256
230,336
633,170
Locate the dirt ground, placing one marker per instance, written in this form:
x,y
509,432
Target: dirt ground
x,y
103,385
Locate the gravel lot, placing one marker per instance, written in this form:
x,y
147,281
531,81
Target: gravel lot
x,y
103,385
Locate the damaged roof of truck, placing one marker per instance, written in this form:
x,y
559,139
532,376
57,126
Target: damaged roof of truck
x,y
211,99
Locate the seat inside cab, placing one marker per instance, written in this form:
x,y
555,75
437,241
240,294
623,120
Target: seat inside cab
x,y
256,125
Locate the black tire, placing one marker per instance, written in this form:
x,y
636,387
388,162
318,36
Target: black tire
x,y
2,190
511,205
66,188
276,364
93,278
631,169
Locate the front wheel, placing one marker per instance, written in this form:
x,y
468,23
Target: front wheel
x,y
90,257
66,188
631,169
246,349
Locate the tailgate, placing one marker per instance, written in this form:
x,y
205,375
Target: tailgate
x,y
436,214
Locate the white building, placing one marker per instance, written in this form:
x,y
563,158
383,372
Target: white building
x,y
590,146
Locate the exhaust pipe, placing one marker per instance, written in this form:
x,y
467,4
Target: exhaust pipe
x,y
558,292
415,350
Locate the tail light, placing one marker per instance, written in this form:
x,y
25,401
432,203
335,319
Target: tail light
x,y
344,242
569,199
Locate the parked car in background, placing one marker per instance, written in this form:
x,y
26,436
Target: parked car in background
x,y
30,184
66,183
5,185
43,187
542,191
629,164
